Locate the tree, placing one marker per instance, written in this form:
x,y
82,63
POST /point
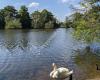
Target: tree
x,y
9,11
24,17
12,23
68,23
9,19
2,21
36,20
49,25
87,25
43,19
48,18
46,15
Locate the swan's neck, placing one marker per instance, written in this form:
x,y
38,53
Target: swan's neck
x,y
54,68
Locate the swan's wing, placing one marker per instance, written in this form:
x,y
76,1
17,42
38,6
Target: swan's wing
x,y
62,72
54,74
51,73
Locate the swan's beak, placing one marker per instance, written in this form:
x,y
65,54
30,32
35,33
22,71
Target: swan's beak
x,y
70,72
53,64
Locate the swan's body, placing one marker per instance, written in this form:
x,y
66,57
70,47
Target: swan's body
x,y
60,73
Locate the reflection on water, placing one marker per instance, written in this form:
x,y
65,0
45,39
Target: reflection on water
x,y
86,63
28,55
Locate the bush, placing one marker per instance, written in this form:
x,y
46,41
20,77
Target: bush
x,y
12,23
49,24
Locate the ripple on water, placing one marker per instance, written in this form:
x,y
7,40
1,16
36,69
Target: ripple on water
x,y
28,55
4,58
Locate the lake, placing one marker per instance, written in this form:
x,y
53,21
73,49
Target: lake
x,y
28,55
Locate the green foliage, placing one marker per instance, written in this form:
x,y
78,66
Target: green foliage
x,y
49,24
12,23
68,23
9,11
46,16
44,19
24,17
36,20
2,21
11,18
72,20
87,24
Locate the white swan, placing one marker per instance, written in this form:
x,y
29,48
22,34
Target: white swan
x,y
60,73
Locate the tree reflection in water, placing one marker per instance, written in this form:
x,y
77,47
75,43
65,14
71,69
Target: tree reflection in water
x,y
86,61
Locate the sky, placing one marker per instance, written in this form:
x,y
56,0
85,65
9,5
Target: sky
x,y
59,8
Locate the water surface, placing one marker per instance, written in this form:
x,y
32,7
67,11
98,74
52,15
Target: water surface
x,y
28,55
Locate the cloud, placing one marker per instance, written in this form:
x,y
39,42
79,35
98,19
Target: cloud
x,y
65,1
33,4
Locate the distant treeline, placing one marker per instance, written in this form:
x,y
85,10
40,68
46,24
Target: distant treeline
x,y
10,18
